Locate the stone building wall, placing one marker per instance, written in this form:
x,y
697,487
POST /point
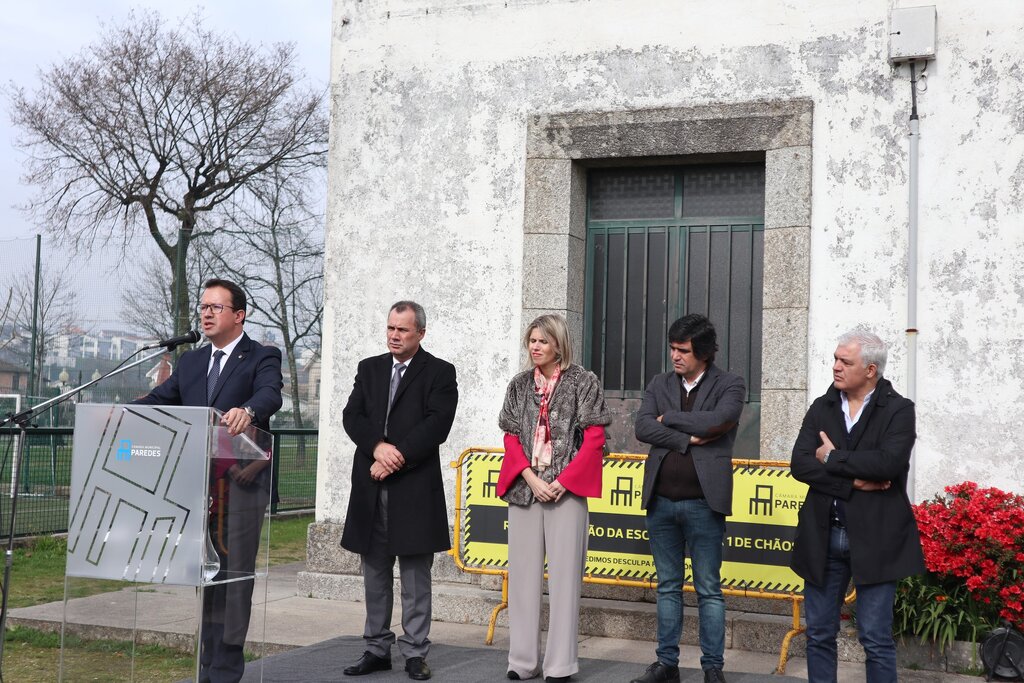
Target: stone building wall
x,y
461,132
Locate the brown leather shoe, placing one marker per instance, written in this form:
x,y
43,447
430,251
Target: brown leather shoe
x,y
367,664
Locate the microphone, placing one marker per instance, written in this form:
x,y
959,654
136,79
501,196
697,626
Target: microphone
x,y
190,337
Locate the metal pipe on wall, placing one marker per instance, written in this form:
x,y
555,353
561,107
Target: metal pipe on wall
x,y
915,137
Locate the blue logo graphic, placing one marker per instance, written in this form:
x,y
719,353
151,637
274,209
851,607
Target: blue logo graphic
x,y
124,451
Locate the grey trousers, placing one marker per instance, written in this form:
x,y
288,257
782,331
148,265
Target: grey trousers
x,y
378,589
561,530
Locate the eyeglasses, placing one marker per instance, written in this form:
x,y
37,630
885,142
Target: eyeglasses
x,y
216,308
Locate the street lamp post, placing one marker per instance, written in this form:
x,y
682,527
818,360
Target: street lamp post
x,y
55,440
95,378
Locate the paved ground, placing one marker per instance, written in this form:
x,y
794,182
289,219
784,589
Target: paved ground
x,y
166,614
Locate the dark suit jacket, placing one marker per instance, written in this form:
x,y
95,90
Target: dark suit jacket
x,y
421,417
884,541
717,407
250,377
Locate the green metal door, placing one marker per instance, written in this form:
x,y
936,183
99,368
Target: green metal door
x,y
654,253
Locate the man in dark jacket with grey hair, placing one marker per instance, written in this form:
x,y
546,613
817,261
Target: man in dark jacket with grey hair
x,y
853,451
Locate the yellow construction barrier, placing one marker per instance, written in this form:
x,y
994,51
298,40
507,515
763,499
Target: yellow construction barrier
x,y
759,534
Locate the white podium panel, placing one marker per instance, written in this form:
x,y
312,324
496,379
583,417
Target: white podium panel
x,y
165,495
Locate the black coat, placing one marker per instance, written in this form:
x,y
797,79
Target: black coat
x,y
421,417
884,541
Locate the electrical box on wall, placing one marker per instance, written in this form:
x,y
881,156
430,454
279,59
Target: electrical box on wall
x,y
911,34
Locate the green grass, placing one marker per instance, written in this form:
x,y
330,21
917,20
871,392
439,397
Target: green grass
x,y
37,576
31,656
288,538
37,570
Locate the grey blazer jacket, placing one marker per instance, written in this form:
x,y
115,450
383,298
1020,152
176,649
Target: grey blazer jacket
x,y
716,412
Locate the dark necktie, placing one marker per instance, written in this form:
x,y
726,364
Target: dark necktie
x,y
211,379
396,377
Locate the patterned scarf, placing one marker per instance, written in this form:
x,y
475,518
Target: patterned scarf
x,y
543,387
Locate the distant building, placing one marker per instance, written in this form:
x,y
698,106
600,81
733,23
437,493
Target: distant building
x,y
309,375
67,348
13,378
159,372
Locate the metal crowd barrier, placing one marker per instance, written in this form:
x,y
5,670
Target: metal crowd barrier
x,y
764,502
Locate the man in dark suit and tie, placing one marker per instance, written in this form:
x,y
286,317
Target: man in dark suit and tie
x,y
853,452
242,379
689,416
399,413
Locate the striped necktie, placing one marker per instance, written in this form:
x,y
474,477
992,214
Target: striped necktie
x,y
211,379
396,377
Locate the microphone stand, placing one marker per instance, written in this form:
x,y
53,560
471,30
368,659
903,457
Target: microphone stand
x,y
24,420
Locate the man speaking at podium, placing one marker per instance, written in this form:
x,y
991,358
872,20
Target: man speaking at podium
x,y
242,379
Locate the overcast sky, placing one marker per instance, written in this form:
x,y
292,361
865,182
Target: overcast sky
x,y
39,33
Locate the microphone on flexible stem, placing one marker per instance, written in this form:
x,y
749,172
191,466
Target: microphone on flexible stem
x,y
190,337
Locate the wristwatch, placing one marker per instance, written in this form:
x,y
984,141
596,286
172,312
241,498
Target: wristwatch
x,y
250,412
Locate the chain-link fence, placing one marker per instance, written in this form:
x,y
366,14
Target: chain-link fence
x,y
43,482
44,479
67,318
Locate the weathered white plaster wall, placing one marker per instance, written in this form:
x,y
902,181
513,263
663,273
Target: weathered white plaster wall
x,y
429,108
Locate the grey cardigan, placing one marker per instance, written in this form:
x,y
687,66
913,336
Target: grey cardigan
x,y
577,403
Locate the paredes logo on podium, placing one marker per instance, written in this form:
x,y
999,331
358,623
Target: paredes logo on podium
x,y
126,451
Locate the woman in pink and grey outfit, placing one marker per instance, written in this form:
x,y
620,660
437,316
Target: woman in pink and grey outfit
x,y
553,418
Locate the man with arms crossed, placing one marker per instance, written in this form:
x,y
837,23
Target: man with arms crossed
x,y
853,451
689,417
399,413
242,379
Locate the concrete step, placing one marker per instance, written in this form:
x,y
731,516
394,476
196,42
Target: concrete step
x,y
635,619
603,617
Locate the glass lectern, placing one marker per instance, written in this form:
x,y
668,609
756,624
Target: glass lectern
x,y
168,536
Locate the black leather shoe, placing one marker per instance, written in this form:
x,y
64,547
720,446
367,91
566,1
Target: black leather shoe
x,y
367,664
714,676
659,673
557,679
417,668
512,676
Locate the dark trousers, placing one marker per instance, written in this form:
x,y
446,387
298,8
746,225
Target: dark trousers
x,y
874,618
227,607
378,587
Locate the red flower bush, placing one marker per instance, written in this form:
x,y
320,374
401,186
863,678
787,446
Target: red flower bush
x,y
976,535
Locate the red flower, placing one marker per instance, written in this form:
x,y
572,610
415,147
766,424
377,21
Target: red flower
x,y
975,536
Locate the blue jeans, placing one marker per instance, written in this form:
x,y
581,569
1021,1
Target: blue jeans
x,y
874,618
674,526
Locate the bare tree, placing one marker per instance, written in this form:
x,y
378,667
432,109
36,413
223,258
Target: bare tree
x,y
54,316
271,243
148,305
8,332
154,126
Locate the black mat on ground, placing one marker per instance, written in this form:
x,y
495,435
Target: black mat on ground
x,y
323,663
